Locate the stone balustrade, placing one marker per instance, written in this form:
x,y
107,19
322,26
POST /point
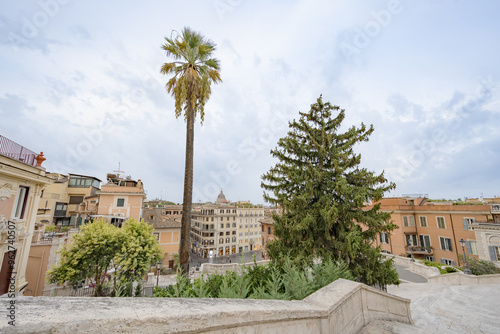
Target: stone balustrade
x,y
341,307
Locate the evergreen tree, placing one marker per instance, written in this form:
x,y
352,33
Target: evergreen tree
x,y
322,189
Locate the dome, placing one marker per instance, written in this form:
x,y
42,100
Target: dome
x,y
221,198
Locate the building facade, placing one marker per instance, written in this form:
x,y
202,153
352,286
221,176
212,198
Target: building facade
x,y
120,199
61,201
431,230
222,229
22,180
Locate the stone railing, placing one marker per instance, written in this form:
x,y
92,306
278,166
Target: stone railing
x,y
415,267
341,307
462,279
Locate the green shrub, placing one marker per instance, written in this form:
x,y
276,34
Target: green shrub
x,y
271,281
481,267
64,229
50,228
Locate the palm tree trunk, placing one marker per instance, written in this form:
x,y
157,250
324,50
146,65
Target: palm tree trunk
x,y
188,193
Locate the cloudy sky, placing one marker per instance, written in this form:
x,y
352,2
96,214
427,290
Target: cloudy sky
x,y
80,81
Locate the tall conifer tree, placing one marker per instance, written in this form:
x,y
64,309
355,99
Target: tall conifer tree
x,y
322,189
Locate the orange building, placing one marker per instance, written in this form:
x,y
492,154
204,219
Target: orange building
x,y
120,199
431,230
167,232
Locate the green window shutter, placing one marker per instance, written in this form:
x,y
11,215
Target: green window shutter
x,y
449,244
442,261
493,254
466,226
469,247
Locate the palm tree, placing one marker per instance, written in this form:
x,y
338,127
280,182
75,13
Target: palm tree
x,y
194,71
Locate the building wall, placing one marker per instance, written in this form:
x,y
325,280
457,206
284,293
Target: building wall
x,y
13,176
168,240
488,242
249,229
454,228
133,201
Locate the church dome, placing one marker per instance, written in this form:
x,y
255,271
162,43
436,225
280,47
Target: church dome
x,y
221,198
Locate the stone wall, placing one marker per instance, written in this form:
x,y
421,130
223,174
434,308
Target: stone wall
x,y
341,307
462,279
415,267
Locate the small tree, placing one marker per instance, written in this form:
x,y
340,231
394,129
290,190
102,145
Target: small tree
x,y
138,250
99,247
322,188
89,254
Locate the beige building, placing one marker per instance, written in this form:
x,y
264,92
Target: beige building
x,y
488,241
224,229
22,180
432,230
61,201
214,230
249,228
120,199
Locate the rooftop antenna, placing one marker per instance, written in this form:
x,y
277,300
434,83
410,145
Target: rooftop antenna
x,y
118,171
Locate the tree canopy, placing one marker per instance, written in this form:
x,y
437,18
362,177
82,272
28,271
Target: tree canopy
x,y
322,189
100,247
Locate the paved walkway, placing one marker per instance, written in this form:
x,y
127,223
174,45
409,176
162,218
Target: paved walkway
x,y
407,276
441,308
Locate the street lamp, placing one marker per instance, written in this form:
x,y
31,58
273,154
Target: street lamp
x,y
411,250
158,267
466,270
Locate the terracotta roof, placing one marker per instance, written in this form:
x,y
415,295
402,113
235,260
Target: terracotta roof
x,y
166,223
267,220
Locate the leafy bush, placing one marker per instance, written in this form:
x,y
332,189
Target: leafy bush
x,y
50,228
283,281
64,229
481,267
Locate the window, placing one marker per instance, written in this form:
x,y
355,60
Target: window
x,y
21,199
228,225
425,241
221,225
234,239
440,222
228,233
467,222
120,202
269,230
423,221
411,239
227,240
221,234
234,224
408,221
234,232
384,238
75,199
241,226
157,236
429,258
221,240
471,247
241,234
445,243
448,262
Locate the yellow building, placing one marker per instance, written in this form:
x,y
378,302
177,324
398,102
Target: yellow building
x,y
60,201
22,180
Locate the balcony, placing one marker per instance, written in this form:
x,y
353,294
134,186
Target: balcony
x,y
495,208
15,151
412,229
419,250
